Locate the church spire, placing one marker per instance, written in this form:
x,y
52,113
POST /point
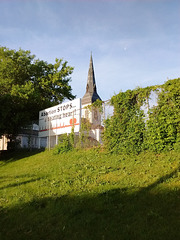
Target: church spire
x,y
91,91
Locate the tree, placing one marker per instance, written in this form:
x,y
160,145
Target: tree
x,y
28,85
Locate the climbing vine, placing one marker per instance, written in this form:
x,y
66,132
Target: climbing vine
x,y
163,126
129,130
95,105
124,130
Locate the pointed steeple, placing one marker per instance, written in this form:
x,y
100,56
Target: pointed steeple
x,y
91,90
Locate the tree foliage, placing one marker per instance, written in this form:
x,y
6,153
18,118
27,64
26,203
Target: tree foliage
x,y
28,85
128,130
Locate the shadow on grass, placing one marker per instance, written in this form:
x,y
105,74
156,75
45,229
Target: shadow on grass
x,y
117,214
168,176
19,183
10,156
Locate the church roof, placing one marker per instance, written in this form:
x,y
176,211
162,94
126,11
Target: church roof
x,y
91,94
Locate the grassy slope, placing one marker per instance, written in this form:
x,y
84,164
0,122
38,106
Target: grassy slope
x,y
90,195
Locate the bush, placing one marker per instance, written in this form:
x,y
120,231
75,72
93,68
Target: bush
x,y
64,145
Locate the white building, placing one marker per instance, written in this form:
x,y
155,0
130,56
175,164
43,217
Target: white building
x,y
62,118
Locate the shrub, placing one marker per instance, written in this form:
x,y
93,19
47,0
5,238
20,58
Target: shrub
x,y
64,145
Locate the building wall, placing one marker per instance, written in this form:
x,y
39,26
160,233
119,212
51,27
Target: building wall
x,y
94,116
28,141
3,143
43,142
96,134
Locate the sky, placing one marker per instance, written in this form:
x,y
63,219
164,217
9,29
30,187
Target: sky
x,y
134,43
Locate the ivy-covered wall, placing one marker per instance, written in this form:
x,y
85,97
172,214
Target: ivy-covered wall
x,y
130,131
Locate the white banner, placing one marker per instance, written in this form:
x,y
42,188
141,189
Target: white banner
x,y
60,119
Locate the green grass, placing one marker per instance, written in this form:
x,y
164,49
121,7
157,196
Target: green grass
x,y
90,195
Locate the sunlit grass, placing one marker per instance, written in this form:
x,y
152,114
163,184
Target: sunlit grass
x,y
90,195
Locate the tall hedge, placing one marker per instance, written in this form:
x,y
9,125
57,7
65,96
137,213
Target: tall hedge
x,y
131,130
163,126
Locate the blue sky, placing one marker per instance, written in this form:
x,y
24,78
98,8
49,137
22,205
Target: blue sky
x,y
133,42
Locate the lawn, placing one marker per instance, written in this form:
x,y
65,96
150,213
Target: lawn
x,y
89,195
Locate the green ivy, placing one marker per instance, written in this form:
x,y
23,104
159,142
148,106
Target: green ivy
x,y
96,105
124,130
129,131
163,126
